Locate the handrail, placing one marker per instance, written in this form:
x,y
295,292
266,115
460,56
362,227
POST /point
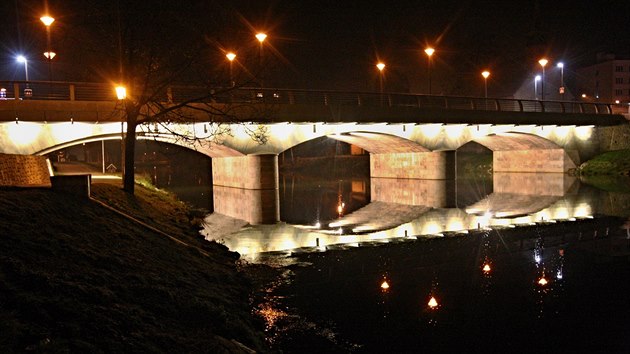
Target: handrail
x,y
90,91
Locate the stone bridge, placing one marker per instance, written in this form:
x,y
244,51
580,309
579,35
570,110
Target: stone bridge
x,y
408,136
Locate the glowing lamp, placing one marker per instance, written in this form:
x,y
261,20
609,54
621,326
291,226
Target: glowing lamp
x,y
49,55
542,281
230,56
486,268
384,285
429,51
121,92
47,20
380,66
261,37
433,303
485,74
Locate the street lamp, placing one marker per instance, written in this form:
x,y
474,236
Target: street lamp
x,y
429,52
536,79
485,75
561,90
27,91
542,63
380,66
49,54
121,92
231,56
260,36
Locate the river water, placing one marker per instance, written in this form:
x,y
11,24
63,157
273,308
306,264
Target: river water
x,y
514,262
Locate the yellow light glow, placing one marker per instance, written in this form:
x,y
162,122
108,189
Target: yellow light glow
x,y
543,62
454,131
486,268
385,285
230,56
485,74
433,303
261,37
121,92
563,131
24,133
432,228
380,66
431,130
584,132
47,20
50,55
429,51
542,281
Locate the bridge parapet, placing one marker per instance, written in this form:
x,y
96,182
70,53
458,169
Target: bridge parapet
x,y
375,106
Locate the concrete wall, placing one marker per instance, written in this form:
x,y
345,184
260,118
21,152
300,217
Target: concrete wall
x,y
549,160
430,193
249,172
419,165
24,171
256,206
246,188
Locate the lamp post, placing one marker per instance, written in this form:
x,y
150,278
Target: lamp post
x,y
561,89
27,91
536,79
429,52
49,54
542,63
260,36
231,56
485,75
380,66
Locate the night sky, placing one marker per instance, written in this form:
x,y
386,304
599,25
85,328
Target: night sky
x,y
336,44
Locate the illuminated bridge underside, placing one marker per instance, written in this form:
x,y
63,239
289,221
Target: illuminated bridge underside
x,y
396,157
379,216
516,152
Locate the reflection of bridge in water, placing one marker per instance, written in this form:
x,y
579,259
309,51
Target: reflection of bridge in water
x,y
425,211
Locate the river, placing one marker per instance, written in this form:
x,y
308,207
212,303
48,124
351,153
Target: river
x,y
503,262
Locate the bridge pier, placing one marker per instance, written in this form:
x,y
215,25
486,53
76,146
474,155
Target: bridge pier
x,y
431,165
246,187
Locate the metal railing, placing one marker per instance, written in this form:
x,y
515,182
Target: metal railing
x,y
84,91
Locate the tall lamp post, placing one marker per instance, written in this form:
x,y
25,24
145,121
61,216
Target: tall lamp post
x,y
49,54
485,75
536,79
429,52
260,36
380,66
231,56
542,63
27,91
561,89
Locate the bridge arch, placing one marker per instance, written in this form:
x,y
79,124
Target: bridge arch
x,y
521,152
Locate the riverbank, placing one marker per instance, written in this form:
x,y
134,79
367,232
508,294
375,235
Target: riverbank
x,y
76,276
615,162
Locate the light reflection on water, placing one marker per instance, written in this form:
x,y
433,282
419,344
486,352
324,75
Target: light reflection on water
x,y
522,263
432,210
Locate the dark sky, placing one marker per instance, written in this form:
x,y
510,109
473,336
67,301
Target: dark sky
x,y
335,44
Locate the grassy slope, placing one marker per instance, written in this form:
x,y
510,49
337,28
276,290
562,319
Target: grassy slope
x,y
76,276
609,163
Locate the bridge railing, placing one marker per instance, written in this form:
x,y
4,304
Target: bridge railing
x,y
83,91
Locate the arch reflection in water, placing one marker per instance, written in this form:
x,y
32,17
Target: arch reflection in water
x,y
426,209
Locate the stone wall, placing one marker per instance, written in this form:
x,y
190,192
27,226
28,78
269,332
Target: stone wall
x,y
547,160
420,165
24,171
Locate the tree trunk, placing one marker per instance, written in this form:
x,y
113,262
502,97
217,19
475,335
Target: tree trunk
x,y
130,152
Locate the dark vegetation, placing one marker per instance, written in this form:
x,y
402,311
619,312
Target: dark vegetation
x,y
78,277
609,163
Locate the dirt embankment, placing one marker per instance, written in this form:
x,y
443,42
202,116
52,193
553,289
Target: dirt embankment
x,y
76,276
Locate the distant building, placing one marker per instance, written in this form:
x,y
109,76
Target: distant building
x,y
606,81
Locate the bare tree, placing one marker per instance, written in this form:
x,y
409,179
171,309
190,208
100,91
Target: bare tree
x,y
169,58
